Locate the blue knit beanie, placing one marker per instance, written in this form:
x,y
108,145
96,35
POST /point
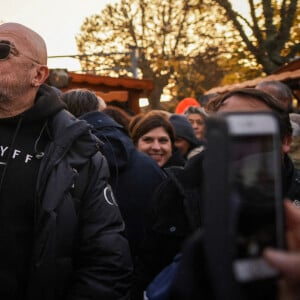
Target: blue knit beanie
x,y
184,129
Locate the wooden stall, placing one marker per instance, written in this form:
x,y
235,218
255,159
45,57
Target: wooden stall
x,y
125,90
288,74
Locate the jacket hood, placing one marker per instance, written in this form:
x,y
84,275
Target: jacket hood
x,y
62,127
71,134
47,103
100,120
67,134
70,137
117,145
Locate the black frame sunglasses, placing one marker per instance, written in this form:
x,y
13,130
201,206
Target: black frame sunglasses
x,y
7,47
5,50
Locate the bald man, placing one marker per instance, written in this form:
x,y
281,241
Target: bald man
x,y
61,232
278,90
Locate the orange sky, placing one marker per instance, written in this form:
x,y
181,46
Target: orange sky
x,y
58,21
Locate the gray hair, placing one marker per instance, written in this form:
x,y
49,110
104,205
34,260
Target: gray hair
x,y
195,110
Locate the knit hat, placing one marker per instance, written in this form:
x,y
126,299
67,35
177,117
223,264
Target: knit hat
x,y
185,103
184,129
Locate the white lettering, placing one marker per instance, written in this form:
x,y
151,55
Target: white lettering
x,y
28,158
16,153
109,197
3,149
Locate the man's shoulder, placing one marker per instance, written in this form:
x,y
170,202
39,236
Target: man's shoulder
x,y
73,135
65,118
64,126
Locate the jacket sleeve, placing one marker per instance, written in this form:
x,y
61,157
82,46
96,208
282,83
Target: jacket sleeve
x,y
103,264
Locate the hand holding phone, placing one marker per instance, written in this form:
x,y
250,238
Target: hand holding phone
x,y
255,169
244,158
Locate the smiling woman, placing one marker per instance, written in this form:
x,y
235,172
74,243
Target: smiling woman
x,y
154,135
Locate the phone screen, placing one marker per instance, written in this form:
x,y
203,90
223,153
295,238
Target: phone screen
x,y
255,192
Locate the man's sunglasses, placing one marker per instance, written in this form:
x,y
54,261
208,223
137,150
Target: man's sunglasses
x,y
7,47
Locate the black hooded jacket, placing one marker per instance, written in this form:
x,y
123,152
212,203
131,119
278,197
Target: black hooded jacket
x,y
175,213
78,249
134,175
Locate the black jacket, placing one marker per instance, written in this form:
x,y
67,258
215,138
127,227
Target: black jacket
x,y
176,213
134,175
79,250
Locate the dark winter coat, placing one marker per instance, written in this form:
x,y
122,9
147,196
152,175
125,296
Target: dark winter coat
x,y
79,250
176,213
134,175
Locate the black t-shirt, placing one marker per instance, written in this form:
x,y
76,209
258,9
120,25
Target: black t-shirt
x,y
18,172
22,139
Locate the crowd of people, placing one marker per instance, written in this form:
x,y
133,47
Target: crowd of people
x,y
95,203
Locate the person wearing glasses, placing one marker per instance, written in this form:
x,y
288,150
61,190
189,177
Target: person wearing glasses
x,y
61,232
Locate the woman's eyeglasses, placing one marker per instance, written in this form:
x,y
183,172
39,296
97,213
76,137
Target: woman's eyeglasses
x,y
7,47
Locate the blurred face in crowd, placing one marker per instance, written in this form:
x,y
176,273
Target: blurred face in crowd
x,y
274,91
198,124
238,103
157,144
183,145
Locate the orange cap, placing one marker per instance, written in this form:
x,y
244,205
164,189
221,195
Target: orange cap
x,y
185,103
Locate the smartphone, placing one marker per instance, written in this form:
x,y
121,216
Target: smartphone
x,y
255,193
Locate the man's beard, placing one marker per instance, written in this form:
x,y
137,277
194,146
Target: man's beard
x,y
3,98
12,89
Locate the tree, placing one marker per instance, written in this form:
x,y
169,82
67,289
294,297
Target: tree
x,y
169,35
188,46
199,74
271,31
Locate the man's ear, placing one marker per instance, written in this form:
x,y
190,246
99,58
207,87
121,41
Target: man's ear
x,y
286,144
40,76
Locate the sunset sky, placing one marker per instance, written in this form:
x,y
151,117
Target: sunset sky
x,y
58,21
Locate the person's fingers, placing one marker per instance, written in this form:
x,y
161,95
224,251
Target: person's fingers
x,y
288,263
